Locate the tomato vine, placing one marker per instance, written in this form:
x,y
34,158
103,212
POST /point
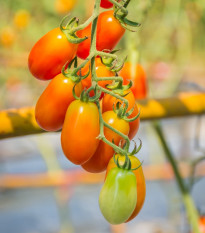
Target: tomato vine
x,y
85,112
113,57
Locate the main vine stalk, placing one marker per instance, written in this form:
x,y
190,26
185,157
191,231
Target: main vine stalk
x,y
93,53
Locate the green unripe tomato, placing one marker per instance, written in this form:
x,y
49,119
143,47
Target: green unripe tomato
x,y
118,196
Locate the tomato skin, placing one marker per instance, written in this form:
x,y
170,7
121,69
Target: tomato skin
x,y
107,104
202,224
139,176
137,74
99,161
49,55
109,33
80,130
101,71
118,196
106,4
52,105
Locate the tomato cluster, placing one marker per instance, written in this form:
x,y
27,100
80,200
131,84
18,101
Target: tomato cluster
x,y
83,112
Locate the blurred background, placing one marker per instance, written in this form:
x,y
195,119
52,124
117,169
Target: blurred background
x,y
40,190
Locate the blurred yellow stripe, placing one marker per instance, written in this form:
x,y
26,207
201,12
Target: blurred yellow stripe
x,y
20,122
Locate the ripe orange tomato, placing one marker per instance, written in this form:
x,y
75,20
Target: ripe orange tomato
x,y
137,74
101,71
80,130
141,185
53,103
107,104
109,32
99,161
49,55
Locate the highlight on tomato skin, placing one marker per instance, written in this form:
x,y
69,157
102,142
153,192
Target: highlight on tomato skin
x,y
52,105
80,131
136,73
50,54
109,33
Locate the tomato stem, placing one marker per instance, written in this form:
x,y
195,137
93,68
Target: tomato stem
x,y
85,24
109,78
75,71
104,139
116,96
192,213
103,54
121,7
93,53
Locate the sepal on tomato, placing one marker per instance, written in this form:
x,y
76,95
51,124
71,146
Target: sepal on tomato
x,y
119,88
122,112
85,94
68,30
126,165
117,66
73,73
107,60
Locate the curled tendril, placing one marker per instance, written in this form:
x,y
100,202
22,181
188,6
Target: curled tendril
x,y
73,91
136,149
133,118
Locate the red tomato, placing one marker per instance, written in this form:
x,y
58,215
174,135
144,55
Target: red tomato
x,y
137,74
107,104
101,71
109,32
202,224
53,103
80,130
104,152
106,4
49,55
141,185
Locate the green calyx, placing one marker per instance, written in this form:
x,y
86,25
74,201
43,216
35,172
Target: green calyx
x,y
120,110
85,94
126,165
107,60
118,88
69,32
73,74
